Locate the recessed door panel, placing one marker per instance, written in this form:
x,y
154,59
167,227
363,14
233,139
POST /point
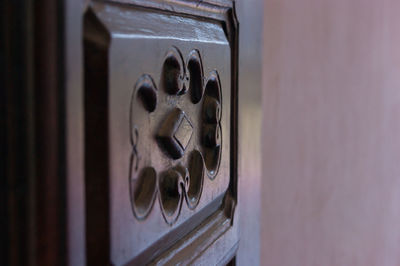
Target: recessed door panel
x,y
160,116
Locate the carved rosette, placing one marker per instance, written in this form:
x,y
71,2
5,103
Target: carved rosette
x,y
184,119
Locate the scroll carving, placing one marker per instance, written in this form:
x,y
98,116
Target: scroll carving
x,y
184,118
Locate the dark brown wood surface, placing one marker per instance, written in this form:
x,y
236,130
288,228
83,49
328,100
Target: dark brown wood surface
x,y
35,225
141,69
34,114
46,222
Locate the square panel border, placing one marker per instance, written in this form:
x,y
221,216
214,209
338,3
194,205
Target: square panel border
x,y
219,231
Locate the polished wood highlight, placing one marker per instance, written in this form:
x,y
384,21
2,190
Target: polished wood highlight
x,y
160,130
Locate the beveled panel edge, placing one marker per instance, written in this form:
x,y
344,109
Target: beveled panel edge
x,y
216,10
203,239
96,39
224,12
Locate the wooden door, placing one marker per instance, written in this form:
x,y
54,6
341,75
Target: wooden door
x,y
160,132
156,157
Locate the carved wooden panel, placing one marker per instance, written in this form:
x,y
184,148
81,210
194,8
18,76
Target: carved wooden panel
x,y
160,129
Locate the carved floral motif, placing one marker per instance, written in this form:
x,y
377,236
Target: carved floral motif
x,y
188,132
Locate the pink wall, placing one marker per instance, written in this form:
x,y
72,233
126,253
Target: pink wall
x,y
331,133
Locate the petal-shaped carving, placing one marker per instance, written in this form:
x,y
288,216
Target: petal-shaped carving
x,y
195,69
143,188
185,175
196,173
171,186
211,135
211,110
213,86
173,78
146,92
211,129
212,157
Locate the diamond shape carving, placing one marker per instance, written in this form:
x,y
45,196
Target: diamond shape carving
x,y
184,133
174,133
160,129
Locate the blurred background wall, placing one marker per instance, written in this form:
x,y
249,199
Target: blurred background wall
x,y
331,133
